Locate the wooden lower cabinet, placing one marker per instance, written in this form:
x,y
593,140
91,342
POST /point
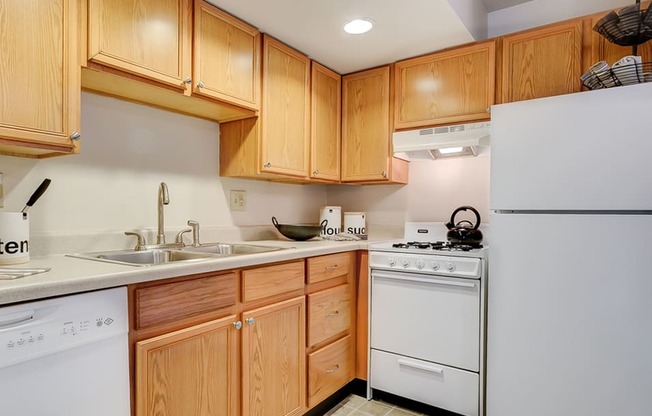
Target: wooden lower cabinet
x,y
330,369
274,360
192,371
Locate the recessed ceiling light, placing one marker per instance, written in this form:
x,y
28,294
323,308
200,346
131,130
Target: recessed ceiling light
x,y
358,26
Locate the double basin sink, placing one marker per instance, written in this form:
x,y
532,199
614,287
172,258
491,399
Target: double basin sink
x,y
151,257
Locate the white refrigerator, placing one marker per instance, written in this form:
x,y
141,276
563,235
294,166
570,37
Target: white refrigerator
x,y
570,269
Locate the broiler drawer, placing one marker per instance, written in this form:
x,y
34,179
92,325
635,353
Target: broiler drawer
x,y
434,384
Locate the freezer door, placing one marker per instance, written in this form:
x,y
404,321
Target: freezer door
x,y
569,316
580,151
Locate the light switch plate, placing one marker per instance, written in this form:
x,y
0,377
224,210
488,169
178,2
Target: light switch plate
x,y
238,200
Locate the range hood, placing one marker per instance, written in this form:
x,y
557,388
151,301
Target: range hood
x,y
441,142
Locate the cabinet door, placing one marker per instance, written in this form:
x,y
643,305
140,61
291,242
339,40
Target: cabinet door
x,y
189,372
39,76
274,360
542,62
446,87
226,57
286,110
366,129
326,115
149,38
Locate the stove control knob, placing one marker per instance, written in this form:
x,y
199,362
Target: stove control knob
x,y
406,263
435,265
420,264
450,266
392,262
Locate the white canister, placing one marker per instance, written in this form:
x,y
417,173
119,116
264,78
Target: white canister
x,y
354,223
334,217
14,237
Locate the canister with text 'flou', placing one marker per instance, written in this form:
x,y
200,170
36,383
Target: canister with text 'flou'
x,y
334,216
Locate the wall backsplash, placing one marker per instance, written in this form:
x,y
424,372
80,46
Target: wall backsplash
x,y
127,149
435,189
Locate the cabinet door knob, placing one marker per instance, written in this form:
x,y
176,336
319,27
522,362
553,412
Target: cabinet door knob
x,y
267,165
250,321
201,84
315,172
384,174
237,325
75,135
187,80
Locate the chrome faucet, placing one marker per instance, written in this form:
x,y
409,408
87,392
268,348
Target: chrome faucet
x,y
163,199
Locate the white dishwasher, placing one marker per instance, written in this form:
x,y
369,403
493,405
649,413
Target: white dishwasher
x,y
66,356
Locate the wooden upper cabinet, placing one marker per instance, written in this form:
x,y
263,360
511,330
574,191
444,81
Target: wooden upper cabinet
x,y
366,125
325,135
447,87
285,112
542,62
39,77
148,38
226,57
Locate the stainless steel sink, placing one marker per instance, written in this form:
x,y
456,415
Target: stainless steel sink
x,y
224,249
145,257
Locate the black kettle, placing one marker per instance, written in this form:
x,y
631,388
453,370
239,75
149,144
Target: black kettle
x,y
464,232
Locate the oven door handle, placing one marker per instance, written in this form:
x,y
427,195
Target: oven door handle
x,y
408,278
420,366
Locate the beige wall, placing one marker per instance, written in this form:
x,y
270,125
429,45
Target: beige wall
x,y
127,150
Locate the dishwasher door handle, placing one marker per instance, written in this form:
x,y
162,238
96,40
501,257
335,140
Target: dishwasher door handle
x,y
15,319
407,278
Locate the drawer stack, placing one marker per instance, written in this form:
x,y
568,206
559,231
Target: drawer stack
x,y
331,303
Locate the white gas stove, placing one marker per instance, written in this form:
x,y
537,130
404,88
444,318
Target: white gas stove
x,y
427,339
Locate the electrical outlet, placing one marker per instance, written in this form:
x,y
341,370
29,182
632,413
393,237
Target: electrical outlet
x,y
238,200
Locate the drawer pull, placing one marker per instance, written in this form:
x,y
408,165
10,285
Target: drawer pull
x,y
250,321
333,369
421,366
332,314
333,267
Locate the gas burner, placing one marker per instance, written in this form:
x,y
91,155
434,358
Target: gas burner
x,y
400,245
437,245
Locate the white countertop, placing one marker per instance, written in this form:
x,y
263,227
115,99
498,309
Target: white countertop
x,y
73,275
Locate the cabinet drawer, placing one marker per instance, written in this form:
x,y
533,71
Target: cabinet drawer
x,y
329,369
329,313
166,303
328,267
437,385
268,281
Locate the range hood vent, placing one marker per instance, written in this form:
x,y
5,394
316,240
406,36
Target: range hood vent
x,y
441,142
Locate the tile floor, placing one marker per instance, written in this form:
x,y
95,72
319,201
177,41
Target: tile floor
x,y
359,406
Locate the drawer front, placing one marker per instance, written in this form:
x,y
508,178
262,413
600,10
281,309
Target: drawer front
x,y
426,382
329,369
268,281
328,267
166,303
329,313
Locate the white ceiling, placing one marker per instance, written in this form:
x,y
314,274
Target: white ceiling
x,y
403,28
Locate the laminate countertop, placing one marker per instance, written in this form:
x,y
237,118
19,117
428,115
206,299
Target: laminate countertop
x,y
68,275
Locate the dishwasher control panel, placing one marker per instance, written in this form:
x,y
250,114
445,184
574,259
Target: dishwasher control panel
x,y
32,330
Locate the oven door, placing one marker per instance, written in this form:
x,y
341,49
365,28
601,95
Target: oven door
x,y
432,318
